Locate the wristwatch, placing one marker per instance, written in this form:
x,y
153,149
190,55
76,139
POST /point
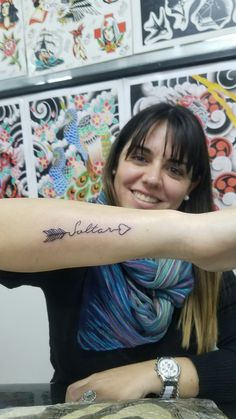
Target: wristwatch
x,y
168,370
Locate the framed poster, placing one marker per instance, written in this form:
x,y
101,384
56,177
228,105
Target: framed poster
x,y
211,95
71,132
14,179
12,47
64,34
166,23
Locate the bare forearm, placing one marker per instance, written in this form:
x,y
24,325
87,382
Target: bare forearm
x,y
51,234
210,239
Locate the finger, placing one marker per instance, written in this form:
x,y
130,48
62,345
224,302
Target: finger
x,y
74,392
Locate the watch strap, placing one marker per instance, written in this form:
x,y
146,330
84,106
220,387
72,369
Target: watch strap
x,y
170,390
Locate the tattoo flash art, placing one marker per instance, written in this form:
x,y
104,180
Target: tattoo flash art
x,y
72,135
110,36
73,33
47,51
76,10
165,23
84,228
8,14
78,48
12,49
212,97
13,180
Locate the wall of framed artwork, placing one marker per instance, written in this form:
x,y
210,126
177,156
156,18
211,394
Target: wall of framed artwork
x,y
59,44
67,34
49,140
40,38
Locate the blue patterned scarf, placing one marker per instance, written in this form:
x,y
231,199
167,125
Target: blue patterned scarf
x,y
131,303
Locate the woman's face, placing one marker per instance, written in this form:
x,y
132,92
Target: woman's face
x,y
108,34
5,9
151,179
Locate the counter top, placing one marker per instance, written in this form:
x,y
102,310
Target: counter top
x,y
16,395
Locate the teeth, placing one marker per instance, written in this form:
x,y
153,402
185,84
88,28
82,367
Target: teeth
x,y
145,198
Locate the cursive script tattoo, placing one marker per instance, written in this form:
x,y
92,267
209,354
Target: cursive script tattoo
x,y
79,228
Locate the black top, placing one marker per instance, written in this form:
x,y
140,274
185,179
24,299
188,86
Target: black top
x,y
63,290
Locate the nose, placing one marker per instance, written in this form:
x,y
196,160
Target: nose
x,y
152,175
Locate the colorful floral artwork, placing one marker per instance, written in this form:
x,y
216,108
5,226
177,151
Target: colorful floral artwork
x,y
60,140
13,178
12,49
62,34
165,23
72,135
211,95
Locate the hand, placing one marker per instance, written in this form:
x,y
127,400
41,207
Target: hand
x,y
129,382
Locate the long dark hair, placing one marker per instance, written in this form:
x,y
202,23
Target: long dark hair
x,y
188,144
199,312
12,13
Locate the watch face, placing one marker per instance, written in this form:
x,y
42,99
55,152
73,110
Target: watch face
x,y
168,368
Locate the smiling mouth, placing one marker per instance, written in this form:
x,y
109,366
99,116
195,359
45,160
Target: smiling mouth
x,y
145,198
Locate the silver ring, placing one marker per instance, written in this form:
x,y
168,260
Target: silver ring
x,y
88,396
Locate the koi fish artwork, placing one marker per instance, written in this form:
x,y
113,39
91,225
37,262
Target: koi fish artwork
x,y
71,136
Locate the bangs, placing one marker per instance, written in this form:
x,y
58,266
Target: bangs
x,y
186,147
140,134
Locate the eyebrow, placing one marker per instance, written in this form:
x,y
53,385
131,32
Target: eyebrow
x,y
142,149
178,161
148,151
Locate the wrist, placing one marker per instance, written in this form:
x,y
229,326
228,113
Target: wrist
x,y
168,370
154,384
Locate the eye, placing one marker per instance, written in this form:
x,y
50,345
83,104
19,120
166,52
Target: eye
x,y
177,170
138,157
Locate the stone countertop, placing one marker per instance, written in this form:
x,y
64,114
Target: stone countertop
x,y
13,396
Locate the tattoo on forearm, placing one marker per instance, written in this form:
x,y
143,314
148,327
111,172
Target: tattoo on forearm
x,y
79,228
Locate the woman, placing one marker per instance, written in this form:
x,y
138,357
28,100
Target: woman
x,y
40,13
8,14
109,321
